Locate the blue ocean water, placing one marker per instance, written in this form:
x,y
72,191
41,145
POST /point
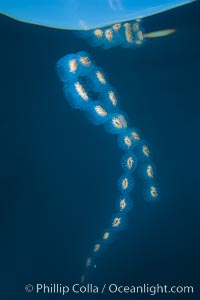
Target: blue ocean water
x,y
58,173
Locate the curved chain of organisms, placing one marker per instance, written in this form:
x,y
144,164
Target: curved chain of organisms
x,y
87,88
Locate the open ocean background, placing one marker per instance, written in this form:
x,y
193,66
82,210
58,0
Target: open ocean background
x,y
58,173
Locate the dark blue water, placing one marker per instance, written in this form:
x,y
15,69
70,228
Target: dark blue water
x,y
58,173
